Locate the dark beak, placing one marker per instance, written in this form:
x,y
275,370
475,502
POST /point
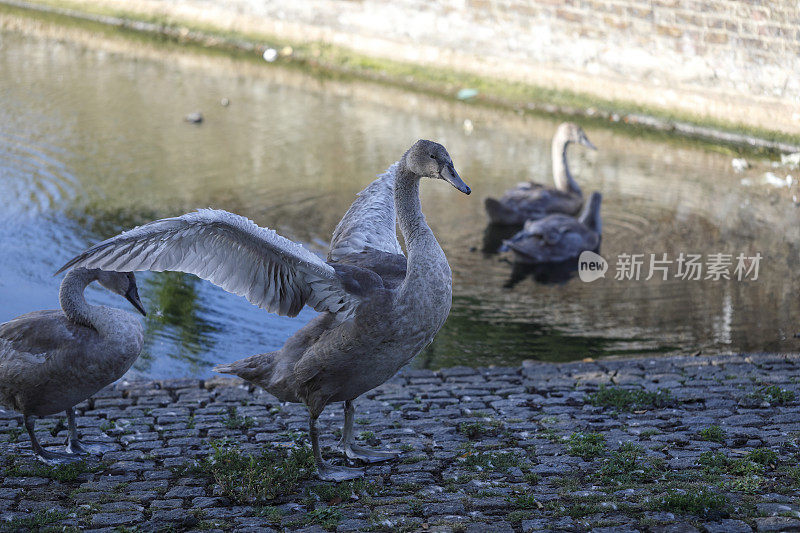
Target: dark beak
x,y
450,175
133,297
587,143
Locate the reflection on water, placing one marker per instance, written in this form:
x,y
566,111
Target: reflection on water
x,y
494,235
179,318
555,273
92,141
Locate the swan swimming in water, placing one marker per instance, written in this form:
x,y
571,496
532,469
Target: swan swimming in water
x,y
531,201
52,360
558,238
377,309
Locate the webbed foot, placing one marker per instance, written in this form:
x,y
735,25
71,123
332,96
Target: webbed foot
x,y
80,448
368,455
329,472
55,458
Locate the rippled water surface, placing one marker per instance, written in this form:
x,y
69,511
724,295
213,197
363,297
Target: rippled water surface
x,y
92,141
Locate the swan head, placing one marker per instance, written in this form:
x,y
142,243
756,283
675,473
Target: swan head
x,y
431,160
570,132
124,284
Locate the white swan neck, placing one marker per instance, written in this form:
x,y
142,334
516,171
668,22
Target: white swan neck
x,y
561,174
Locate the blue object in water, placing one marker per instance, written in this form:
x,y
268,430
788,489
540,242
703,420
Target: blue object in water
x,y
466,94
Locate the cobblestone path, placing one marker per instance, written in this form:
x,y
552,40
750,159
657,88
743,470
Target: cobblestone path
x,y
666,444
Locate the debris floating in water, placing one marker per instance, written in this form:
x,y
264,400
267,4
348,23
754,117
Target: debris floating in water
x,y
194,118
467,94
791,160
740,164
468,126
775,181
270,55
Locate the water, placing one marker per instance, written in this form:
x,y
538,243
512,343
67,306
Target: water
x,y
92,141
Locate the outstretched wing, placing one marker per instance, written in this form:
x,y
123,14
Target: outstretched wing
x,y
371,221
231,251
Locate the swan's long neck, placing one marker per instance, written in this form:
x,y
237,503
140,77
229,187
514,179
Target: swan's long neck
x,y
561,175
409,210
591,214
71,298
421,245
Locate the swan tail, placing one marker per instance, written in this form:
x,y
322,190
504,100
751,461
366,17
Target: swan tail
x,y
256,369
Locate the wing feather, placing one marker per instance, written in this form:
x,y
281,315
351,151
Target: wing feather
x,y
371,221
232,252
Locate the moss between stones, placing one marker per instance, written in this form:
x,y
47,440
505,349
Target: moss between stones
x,y
234,421
712,434
337,61
34,522
772,394
333,493
248,479
477,430
704,503
62,472
627,465
630,399
586,445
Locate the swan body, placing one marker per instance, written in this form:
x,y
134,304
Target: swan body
x,y
531,201
558,238
52,360
378,309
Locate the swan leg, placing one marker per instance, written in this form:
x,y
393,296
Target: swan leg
x,y
45,456
327,471
75,446
354,451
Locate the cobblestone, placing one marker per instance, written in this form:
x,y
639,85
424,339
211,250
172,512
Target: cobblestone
x,y
489,449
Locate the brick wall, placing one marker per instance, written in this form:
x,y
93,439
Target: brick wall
x,y
746,46
737,60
